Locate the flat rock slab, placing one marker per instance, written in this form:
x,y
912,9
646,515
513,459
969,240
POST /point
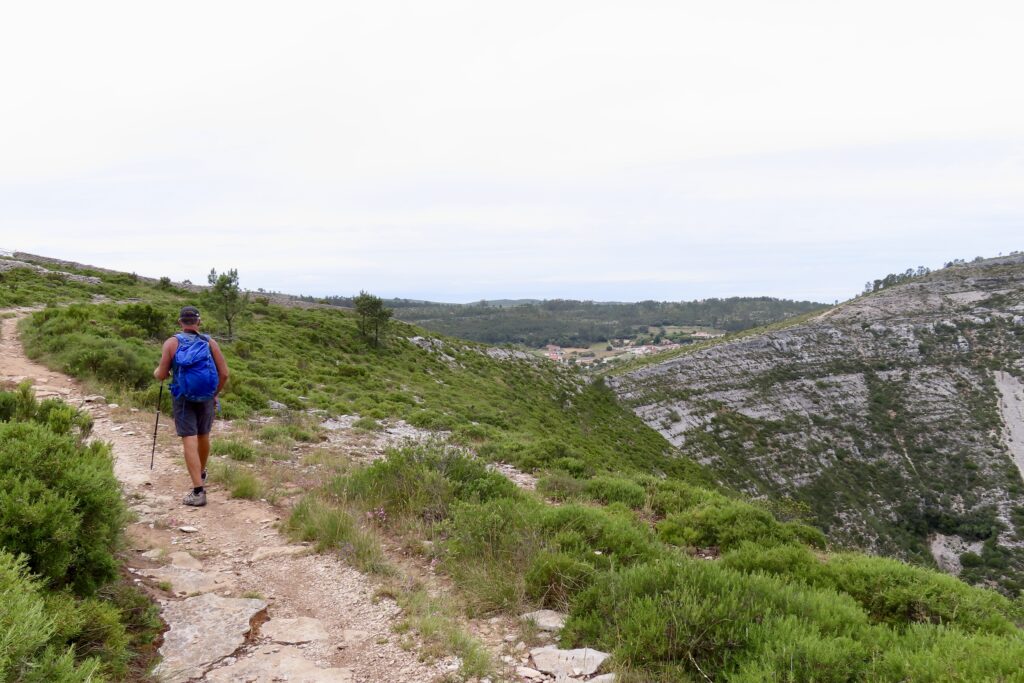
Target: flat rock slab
x,y
203,630
352,636
288,664
278,551
189,581
546,619
580,662
300,630
183,560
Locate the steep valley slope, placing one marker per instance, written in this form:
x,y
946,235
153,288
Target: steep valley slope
x,y
895,417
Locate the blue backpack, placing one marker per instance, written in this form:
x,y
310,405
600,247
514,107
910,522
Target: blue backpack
x,y
195,373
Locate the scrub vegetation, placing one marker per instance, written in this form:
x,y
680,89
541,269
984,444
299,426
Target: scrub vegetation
x,y
679,583
679,579
65,613
513,408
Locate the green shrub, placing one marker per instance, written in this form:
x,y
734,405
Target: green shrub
x,y
368,424
240,482
94,627
554,578
488,548
727,523
616,490
275,434
334,528
60,505
795,562
890,591
561,486
25,626
574,466
151,322
236,450
896,593
29,642
599,536
692,617
422,482
928,654
676,496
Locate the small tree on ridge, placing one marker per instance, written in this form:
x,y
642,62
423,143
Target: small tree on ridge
x,y
373,316
226,297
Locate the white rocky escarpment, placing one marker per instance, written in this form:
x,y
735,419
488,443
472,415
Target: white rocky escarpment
x,y
1011,407
879,414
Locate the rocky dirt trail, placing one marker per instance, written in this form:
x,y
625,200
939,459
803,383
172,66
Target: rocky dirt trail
x,y
240,601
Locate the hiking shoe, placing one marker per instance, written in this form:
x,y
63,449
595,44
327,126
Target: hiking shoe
x,y
195,499
204,477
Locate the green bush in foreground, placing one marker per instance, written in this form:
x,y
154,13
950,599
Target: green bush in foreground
x,y
890,591
692,617
60,504
333,528
60,517
774,607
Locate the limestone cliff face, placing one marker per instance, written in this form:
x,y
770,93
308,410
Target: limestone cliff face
x,y
892,416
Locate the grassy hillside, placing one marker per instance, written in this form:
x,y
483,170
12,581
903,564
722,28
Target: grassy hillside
x,y
507,406
680,580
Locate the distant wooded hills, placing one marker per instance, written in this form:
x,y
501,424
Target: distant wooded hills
x,y
569,322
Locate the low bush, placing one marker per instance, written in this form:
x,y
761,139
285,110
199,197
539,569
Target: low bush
x,y
60,504
240,482
774,608
488,549
677,496
890,591
896,593
605,489
333,528
60,335
598,536
422,482
561,486
60,517
689,617
236,450
553,578
726,523
936,655
367,424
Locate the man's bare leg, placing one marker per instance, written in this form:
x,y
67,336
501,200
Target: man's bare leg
x,y
192,461
204,450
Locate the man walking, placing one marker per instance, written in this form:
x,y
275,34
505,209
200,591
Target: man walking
x,y
200,373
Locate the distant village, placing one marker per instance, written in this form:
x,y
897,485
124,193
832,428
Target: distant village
x,y
617,348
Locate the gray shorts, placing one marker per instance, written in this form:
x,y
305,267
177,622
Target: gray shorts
x,y
193,418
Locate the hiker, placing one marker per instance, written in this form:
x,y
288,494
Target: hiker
x,y
200,373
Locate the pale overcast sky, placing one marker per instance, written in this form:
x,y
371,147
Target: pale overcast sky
x,y
465,150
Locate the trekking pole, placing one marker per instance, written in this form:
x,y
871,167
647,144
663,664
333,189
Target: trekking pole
x,y
159,401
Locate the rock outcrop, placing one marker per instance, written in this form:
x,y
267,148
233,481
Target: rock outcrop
x,y
891,415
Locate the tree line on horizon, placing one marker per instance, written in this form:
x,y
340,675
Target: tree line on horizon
x,y
569,322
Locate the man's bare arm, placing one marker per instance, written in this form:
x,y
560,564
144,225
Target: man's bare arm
x,y
222,366
163,370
